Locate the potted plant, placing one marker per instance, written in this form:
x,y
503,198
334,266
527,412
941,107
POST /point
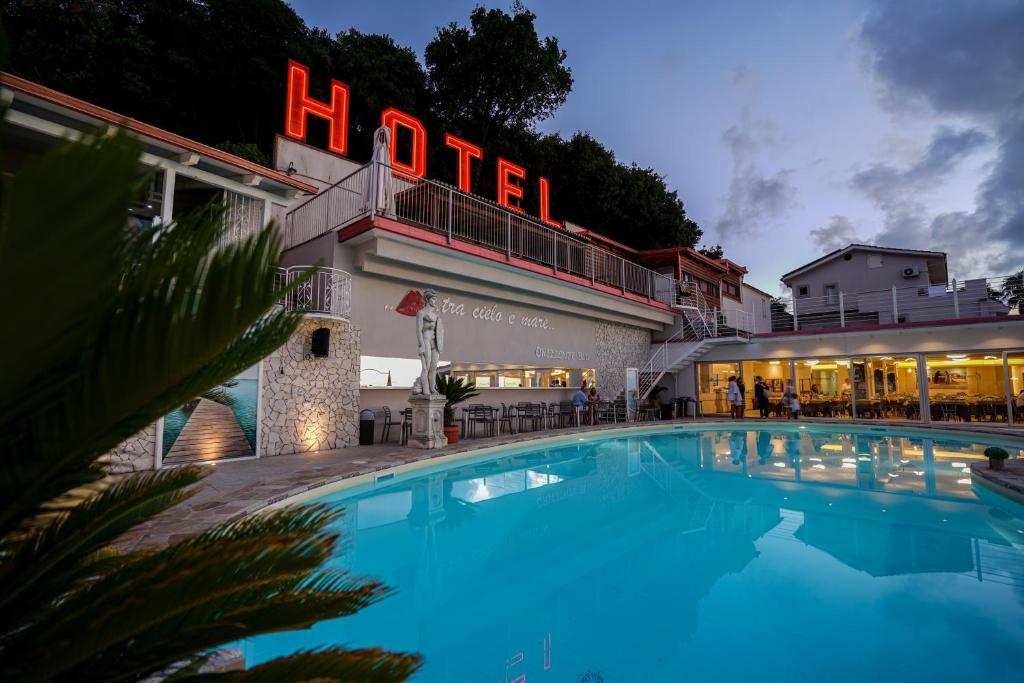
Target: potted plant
x,y
455,390
664,411
996,457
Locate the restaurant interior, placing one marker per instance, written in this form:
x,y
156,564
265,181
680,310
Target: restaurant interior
x,y
960,387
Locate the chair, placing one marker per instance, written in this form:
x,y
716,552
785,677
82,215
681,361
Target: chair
x,y
388,423
948,411
406,426
507,418
484,415
619,409
604,412
567,415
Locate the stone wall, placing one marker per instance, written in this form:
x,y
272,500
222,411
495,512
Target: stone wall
x,y
135,454
311,404
619,347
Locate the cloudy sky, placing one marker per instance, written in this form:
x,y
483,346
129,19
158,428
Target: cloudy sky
x,y
793,128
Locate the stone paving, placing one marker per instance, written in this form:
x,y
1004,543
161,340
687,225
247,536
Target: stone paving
x,y
1008,482
235,488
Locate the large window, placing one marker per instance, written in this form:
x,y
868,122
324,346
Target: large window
x,y
967,387
714,386
503,377
1015,361
886,387
775,375
824,387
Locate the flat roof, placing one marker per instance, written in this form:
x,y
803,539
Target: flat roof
x,y
53,100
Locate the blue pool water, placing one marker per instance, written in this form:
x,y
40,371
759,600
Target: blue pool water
x,y
785,554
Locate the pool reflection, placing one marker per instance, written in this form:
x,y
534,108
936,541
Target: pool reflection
x,y
638,559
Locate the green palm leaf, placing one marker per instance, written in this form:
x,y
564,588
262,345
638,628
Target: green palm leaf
x,y
64,550
134,327
335,665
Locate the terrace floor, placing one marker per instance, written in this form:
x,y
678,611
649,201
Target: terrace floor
x,y
236,488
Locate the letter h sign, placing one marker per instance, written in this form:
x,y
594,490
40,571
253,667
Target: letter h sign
x,y
300,104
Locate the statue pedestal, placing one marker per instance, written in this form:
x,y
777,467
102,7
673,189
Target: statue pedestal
x,y
428,421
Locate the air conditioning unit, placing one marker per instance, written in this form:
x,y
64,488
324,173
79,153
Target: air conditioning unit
x,y
911,272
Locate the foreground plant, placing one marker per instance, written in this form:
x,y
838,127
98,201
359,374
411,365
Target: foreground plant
x,y
99,344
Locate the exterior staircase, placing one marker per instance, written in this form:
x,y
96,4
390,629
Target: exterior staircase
x,y
698,329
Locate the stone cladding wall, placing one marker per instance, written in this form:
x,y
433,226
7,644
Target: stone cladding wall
x,y
135,454
619,347
311,404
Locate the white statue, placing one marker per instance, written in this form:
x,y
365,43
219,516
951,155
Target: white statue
x,y
430,335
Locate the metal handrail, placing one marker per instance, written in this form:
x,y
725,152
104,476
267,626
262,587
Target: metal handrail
x,y
925,302
327,292
465,217
658,364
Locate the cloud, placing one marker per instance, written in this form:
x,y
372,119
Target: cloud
x,y
963,62
742,74
756,199
837,234
896,192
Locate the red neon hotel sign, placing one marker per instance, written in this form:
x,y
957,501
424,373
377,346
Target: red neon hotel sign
x,y
300,105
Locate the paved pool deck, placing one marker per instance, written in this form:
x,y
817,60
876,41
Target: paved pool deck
x,y
1008,482
234,488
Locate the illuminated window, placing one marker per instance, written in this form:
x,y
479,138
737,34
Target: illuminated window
x,y
967,387
887,387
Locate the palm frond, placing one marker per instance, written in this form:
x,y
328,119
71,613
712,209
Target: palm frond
x,y
48,560
334,665
118,336
255,575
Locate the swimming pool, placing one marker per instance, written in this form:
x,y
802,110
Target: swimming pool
x,y
786,553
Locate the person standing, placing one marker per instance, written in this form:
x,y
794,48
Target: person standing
x,y
734,397
761,395
793,400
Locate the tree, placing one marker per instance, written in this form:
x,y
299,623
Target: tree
x,y
380,74
215,71
165,315
495,76
1012,292
716,252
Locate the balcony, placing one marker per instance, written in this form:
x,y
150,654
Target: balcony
x,y
377,190
968,300
327,294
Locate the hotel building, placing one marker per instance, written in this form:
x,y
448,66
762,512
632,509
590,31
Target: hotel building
x,y
531,308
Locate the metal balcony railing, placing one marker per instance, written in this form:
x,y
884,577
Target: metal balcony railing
x,y
378,189
977,298
328,293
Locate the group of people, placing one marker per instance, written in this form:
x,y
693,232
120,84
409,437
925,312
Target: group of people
x,y
585,402
737,398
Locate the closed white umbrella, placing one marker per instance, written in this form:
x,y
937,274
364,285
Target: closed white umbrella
x,y
381,182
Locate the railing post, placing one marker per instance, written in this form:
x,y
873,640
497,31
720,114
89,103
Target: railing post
x,y
842,310
1008,391
554,260
895,313
374,165
622,274
956,301
593,265
451,203
508,236
796,318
